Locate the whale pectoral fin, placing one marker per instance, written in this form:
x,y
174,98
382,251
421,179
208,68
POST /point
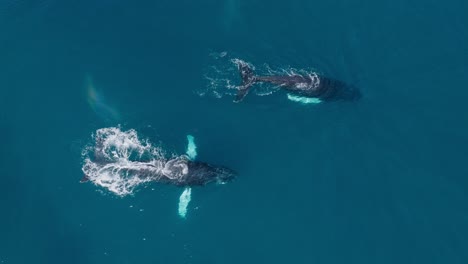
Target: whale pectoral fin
x,y
184,201
191,147
304,100
248,79
242,93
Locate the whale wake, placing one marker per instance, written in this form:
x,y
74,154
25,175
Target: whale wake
x,y
223,77
115,160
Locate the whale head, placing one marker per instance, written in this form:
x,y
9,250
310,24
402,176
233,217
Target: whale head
x,y
201,173
224,175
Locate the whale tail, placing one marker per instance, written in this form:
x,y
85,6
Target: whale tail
x,y
248,79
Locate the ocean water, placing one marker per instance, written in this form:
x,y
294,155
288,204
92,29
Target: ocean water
x,y
379,180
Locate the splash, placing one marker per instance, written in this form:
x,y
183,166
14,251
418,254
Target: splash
x,y
119,161
223,78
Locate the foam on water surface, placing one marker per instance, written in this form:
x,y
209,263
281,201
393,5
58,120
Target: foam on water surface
x,y
116,158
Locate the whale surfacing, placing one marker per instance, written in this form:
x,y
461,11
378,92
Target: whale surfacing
x,y
120,161
311,85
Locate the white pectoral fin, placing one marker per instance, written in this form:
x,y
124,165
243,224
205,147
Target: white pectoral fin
x,y
191,147
304,100
186,195
184,201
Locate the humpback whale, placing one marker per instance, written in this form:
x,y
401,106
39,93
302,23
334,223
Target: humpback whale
x,y
303,88
119,162
182,170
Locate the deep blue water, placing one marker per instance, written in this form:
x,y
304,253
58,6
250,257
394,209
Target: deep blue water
x,y
381,180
